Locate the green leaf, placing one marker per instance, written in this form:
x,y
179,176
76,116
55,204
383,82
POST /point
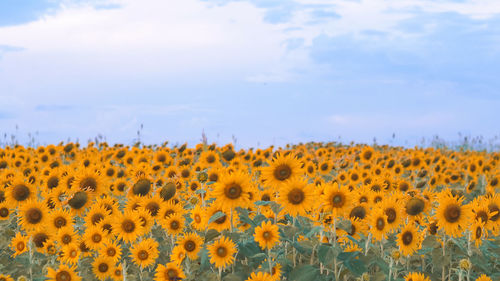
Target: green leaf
x,y
245,217
313,231
232,277
325,253
304,273
304,247
200,191
248,249
211,235
216,216
356,266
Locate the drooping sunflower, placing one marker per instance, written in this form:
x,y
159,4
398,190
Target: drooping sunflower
x,y
192,243
79,201
451,215
145,252
169,272
296,197
19,244
64,272
416,276
409,239
478,232
143,184
32,215
267,235
281,169
102,267
222,252
127,226
232,190
336,199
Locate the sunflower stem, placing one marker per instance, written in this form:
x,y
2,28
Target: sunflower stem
x,y
140,273
220,273
334,232
231,220
124,270
443,272
269,260
368,243
30,247
390,269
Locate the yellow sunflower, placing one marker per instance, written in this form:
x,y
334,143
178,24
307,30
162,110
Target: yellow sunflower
x,y
267,235
378,223
174,224
127,226
336,199
32,215
94,236
199,219
19,191
59,218
260,276
415,276
112,249
221,252
64,272
169,272
19,244
70,253
103,267
178,254
192,243
145,252
483,277
451,215
232,190
409,240
296,197
281,169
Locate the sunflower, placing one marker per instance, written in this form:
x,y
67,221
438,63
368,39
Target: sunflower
x,y
102,267
117,273
127,226
39,238
281,169
267,235
414,276
296,197
66,235
70,253
169,272
89,179
32,215
199,219
451,215
336,199
145,252
221,252
142,186
152,204
79,201
4,277
96,214
357,227
19,191
409,240
19,244
276,272
232,190
378,223
483,277
260,276
223,222
94,236
394,211
478,232
173,224
192,243
111,248
63,273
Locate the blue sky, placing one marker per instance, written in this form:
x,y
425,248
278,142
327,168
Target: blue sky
x,y
265,71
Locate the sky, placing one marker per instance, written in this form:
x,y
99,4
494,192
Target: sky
x,y
260,72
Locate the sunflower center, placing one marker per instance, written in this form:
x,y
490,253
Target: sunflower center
x,y
265,197
153,208
63,276
21,192
221,252
174,225
296,196
103,267
66,239
111,252
482,215
96,238
452,213
267,235
79,200
210,159
88,183
96,218
494,208
128,226
20,246
142,255
59,222
380,224
190,246
233,191
4,212
479,232
338,200
391,215
52,182
282,172
171,274
73,253
39,239
197,218
415,206
407,238
358,212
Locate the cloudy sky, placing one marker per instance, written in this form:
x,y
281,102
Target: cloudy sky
x,y
265,71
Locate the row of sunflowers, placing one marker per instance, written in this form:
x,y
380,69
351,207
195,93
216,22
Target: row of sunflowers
x,y
315,211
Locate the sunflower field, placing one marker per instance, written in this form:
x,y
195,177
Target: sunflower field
x,y
315,211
